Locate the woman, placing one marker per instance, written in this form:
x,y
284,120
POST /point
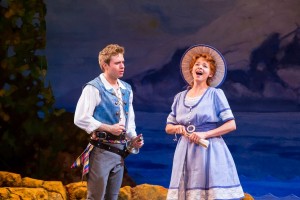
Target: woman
x,y
202,113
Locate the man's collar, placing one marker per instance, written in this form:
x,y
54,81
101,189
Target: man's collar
x,y
107,85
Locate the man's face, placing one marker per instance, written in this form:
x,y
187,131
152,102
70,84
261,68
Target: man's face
x,y
116,67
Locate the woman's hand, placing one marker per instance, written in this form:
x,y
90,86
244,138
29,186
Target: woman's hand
x,y
196,136
179,129
175,129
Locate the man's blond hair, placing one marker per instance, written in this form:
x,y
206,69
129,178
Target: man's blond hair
x,y
109,51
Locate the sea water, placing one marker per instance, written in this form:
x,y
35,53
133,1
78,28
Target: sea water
x,y
265,147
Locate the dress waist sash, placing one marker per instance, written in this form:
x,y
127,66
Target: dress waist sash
x,y
206,127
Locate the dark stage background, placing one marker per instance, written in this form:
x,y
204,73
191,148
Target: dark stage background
x,y
260,42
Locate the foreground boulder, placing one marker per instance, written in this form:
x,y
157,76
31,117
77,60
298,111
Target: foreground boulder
x,y
14,187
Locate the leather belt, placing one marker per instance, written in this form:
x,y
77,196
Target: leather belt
x,y
109,136
123,153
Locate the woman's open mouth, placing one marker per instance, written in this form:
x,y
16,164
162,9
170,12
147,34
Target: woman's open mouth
x,y
199,73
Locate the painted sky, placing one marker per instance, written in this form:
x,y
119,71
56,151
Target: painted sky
x,y
154,31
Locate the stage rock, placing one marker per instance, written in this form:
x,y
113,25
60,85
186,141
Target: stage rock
x,y
13,186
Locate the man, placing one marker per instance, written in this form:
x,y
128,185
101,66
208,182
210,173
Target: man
x,y
105,111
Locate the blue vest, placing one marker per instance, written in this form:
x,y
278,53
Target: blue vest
x,y
108,111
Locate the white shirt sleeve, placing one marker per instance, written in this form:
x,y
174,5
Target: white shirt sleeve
x,y
131,119
87,102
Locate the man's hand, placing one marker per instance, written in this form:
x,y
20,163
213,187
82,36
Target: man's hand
x,y
94,136
115,129
137,142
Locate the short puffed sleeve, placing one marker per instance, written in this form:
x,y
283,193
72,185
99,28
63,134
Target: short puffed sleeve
x,y
222,107
171,119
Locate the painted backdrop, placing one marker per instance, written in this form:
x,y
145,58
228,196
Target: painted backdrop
x,y
260,42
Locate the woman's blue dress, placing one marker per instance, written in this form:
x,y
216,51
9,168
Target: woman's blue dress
x,y
200,173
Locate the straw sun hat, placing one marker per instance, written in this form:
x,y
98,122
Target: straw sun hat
x,y
221,68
